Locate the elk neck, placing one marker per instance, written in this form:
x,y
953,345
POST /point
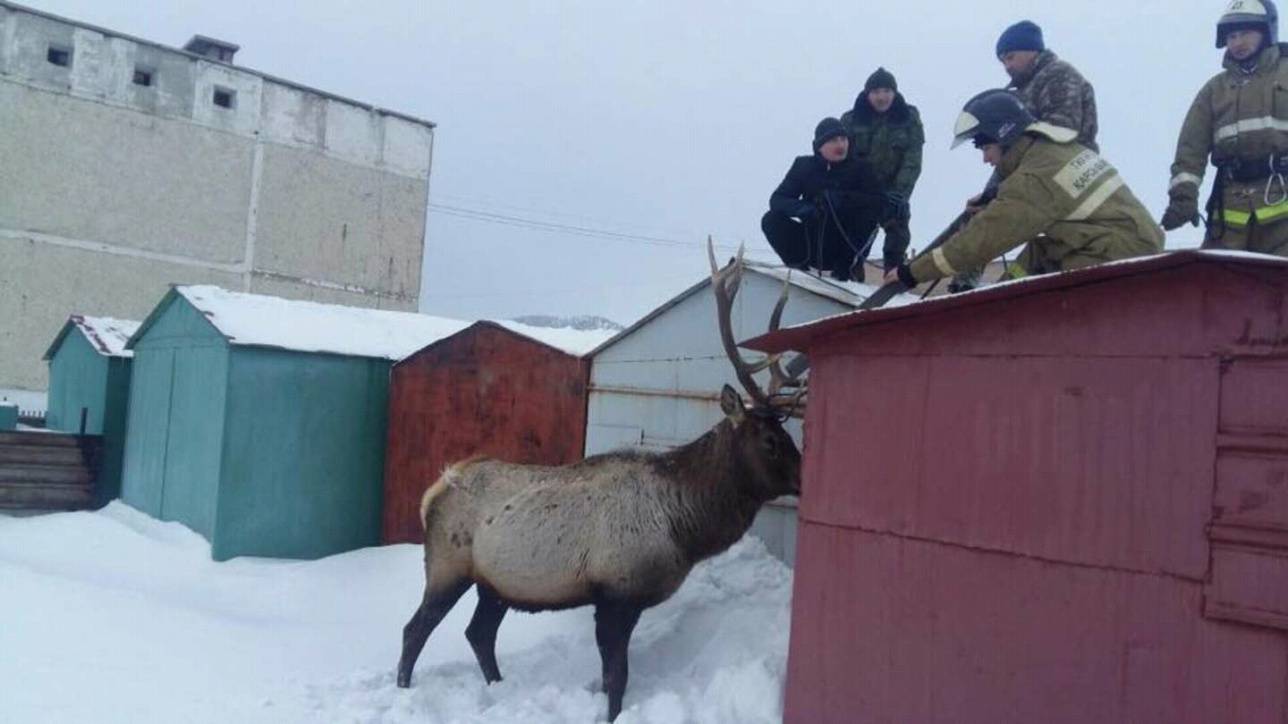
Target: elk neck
x,y
714,506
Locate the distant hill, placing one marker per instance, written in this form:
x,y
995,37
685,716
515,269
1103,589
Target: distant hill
x,y
584,322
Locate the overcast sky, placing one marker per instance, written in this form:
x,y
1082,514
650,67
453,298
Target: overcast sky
x,y
656,122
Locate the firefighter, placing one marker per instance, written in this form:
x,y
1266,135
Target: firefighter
x,y
1061,200
1240,119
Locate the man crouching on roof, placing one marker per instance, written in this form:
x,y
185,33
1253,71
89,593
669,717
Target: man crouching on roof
x,y
824,213
1065,203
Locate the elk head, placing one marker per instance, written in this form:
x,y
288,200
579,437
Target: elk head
x,y
769,453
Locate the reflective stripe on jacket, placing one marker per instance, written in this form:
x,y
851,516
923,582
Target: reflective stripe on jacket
x,y
1055,188
1238,115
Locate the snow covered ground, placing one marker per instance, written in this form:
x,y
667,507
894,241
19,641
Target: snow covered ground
x,y
115,617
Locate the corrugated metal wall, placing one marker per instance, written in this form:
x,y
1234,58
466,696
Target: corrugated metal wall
x,y
483,391
303,454
659,386
1008,520
176,419
79,377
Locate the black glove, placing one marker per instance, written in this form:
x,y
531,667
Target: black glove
x,y
895,205
804,210
1180,212
905,275
888,263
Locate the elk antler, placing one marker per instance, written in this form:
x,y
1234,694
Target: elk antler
x,y
725,283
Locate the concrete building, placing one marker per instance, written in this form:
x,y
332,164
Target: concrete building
x,y
127,166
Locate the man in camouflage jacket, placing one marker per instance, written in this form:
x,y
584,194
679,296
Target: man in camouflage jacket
x,y
1060,199
1240,119
886,132
1051,89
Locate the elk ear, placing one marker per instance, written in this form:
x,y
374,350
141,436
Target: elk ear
x,y
731,405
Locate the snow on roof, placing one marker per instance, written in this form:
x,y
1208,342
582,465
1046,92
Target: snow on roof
x,y
576,342
106,335
797,334
850,294
264,321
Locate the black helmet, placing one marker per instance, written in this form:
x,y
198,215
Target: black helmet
x,y
995,116
1259,14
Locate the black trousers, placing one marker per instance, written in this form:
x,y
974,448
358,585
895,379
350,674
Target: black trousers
x,y
817,244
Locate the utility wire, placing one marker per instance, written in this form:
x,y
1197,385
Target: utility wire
x,y
571,229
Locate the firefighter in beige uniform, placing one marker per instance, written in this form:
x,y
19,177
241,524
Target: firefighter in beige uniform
x,y
1061,199
1240,119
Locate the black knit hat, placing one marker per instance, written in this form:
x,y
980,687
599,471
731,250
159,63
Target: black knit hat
x,y
826,130
1024,35
882,78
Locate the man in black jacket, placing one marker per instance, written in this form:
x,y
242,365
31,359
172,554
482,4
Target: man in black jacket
x,y
822,216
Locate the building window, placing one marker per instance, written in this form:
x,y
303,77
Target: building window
x,y
142,76
225,98
59,55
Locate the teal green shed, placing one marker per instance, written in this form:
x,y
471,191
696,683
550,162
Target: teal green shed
x,y
259,422
89,384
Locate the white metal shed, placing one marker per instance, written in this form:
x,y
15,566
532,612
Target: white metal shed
x,y
656,384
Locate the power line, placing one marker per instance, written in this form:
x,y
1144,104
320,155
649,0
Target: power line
x,y
491,217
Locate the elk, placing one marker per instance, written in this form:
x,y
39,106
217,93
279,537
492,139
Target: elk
x,y
619,531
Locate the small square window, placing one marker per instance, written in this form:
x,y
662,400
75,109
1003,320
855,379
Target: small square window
x,y
59,56
142,76
224,98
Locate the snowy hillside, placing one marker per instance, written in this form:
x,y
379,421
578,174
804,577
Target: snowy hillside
x,y
582,322
114,617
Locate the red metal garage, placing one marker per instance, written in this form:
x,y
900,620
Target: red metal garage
x,y
1072,504
486,390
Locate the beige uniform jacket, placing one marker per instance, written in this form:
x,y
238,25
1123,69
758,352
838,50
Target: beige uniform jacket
x,y
1062,198
1237,115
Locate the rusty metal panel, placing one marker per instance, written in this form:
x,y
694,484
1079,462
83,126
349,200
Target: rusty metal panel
x,y
1050,507
485,391
1097,461
902,630
1228,303
1249,532
1254,397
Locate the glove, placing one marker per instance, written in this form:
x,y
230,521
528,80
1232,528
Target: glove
x,y
804,210
905,275
895,205
888,263
1180,212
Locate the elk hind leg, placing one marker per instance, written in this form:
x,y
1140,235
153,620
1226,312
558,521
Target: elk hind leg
x,y
614,623
433,607
481,633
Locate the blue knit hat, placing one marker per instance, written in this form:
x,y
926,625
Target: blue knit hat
x,y
1024,35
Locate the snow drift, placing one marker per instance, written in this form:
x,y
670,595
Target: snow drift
x,y
115,617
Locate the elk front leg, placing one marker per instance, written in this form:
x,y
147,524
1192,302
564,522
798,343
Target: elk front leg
x,y
481,633
614,622
433,607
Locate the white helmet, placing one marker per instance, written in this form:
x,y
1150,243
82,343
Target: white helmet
x,y
1261,14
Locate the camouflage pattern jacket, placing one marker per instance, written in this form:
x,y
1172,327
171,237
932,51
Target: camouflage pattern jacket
x,y
1056,93
1056,188
1239,115
890,142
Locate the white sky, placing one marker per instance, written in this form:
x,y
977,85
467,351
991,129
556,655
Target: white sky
x,y
672,120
